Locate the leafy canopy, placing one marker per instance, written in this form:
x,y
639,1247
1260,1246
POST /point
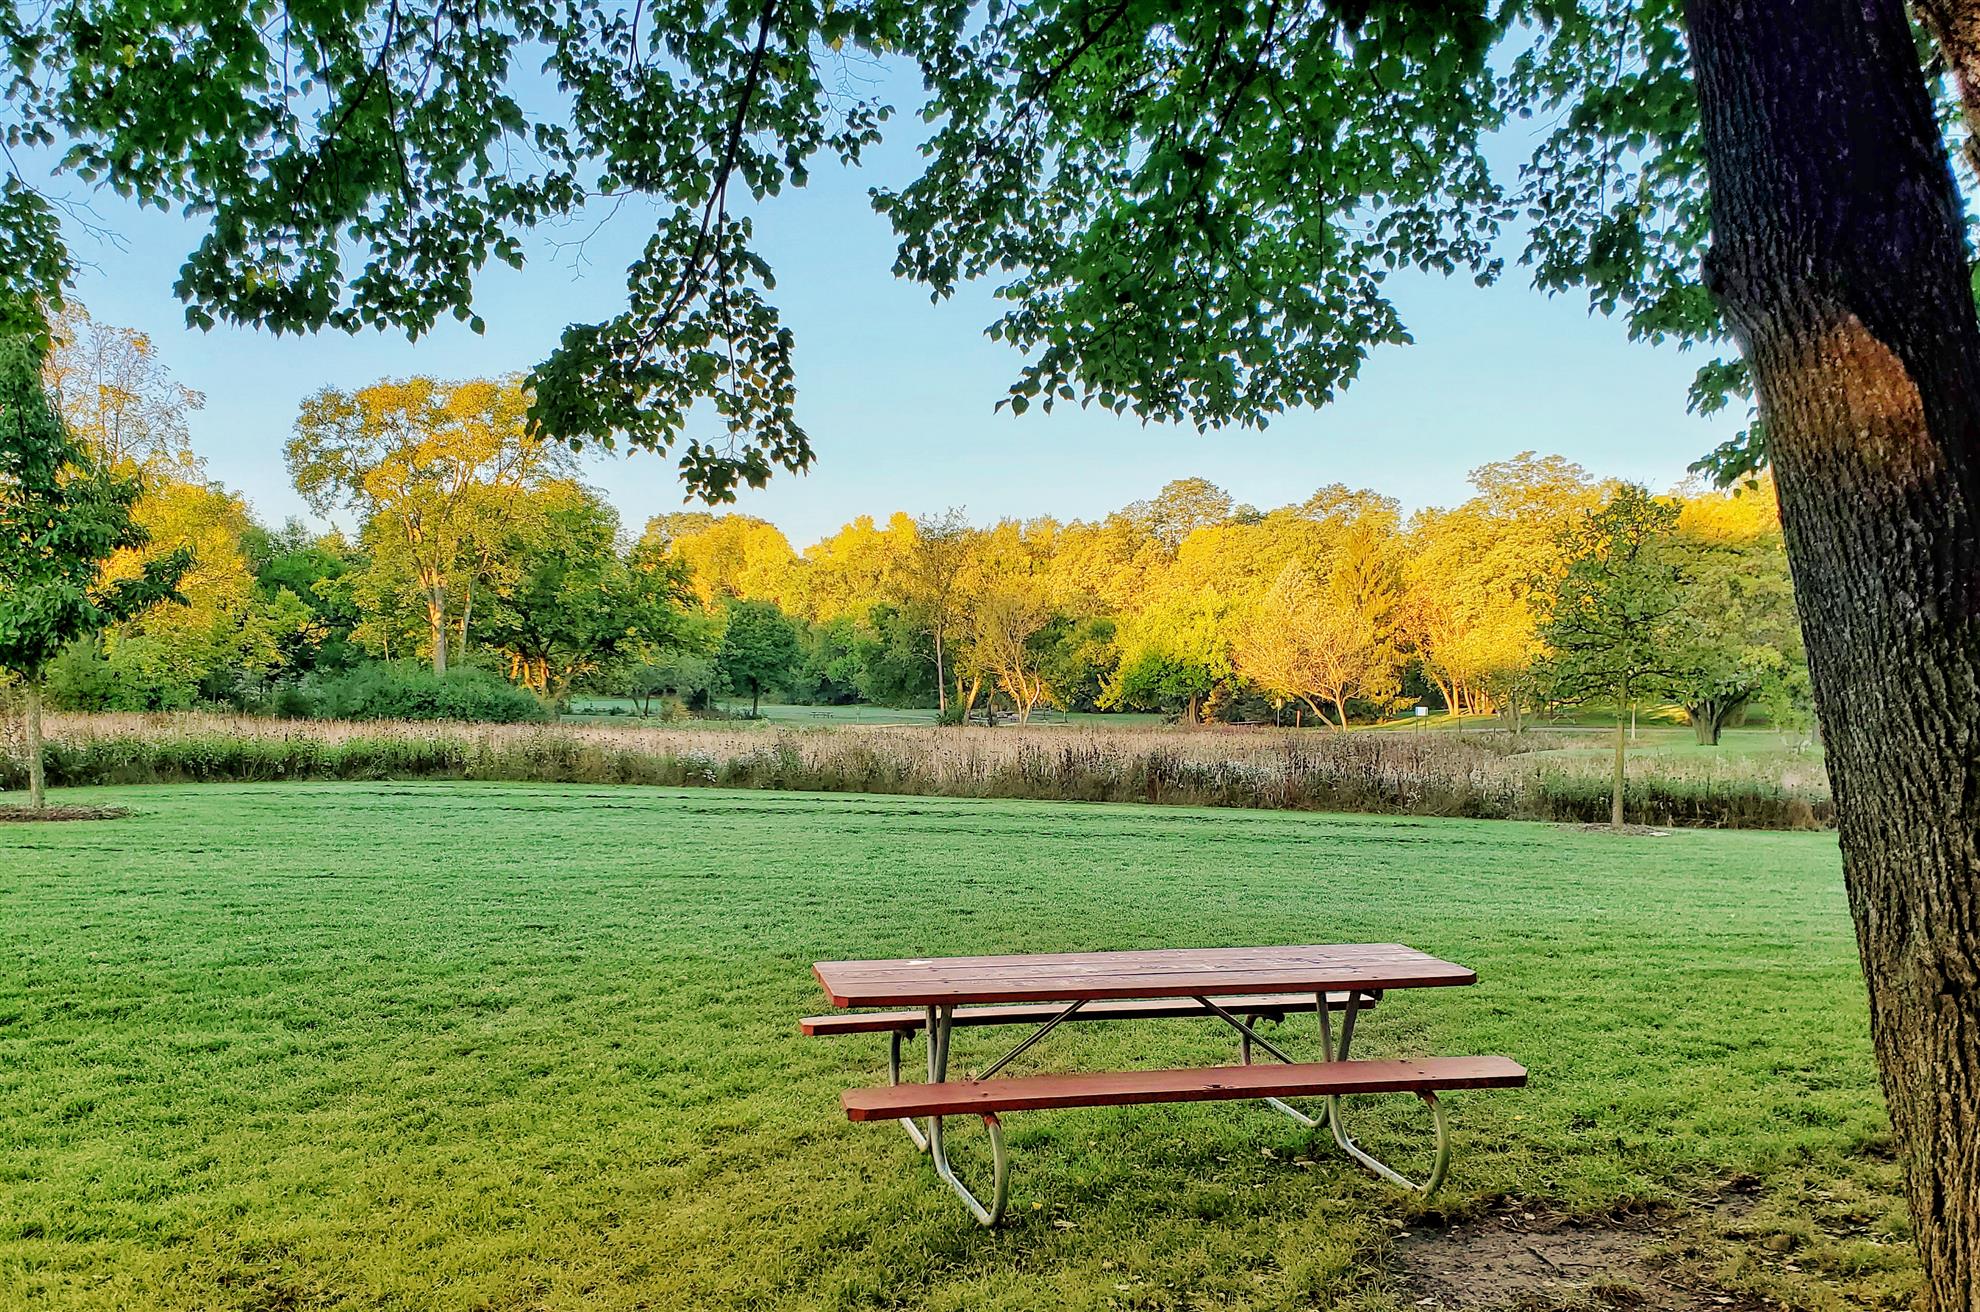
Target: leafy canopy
x,y
1612,620
61,517
1189,211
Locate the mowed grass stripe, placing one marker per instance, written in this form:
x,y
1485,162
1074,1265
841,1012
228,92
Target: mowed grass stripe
x,y
515,1046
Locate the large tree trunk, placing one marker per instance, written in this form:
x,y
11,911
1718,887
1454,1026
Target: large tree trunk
x,y
1704,719
941,676
37,779
1837,255
1710,717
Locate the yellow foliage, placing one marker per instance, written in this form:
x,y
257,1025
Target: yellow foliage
x,y
729,556
1735,516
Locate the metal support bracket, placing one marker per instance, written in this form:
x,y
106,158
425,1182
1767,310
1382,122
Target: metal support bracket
x,y
1000,1177
1250,1035
1440,1165
894,1077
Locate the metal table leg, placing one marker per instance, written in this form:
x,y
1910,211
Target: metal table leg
x,y
940,1020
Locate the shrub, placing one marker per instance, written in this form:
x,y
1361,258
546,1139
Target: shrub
x,y
81,680
407,691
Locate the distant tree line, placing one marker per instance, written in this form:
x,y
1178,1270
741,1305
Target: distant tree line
x,y
476,548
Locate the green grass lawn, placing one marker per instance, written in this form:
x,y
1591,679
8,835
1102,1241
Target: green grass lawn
x,y
462,1046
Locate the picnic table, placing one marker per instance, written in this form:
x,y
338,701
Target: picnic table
x,y
1239,986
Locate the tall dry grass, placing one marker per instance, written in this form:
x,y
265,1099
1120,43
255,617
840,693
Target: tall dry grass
x,y
1420,774
1484,776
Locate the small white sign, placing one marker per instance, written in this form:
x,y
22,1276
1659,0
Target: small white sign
x,y
1422,711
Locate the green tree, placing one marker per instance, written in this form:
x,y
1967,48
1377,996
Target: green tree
x,y
1612,621
1173,655
834,661
566,603
1077,657
315,570
1739,638
687,675
62,516
760,649
897,664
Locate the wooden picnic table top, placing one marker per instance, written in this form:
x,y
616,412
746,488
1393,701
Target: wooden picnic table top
x,y
1160,973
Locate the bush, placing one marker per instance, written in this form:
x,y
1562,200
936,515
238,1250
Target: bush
x,y
403,690
134,674
81,680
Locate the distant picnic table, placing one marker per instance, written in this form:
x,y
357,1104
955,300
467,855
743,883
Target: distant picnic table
x,y
1240,986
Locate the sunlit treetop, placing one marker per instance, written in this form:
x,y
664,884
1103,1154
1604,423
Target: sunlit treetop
x,y
1188,210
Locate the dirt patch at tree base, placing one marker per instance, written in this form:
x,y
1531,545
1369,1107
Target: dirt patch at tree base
x,y
1530,1263
22,814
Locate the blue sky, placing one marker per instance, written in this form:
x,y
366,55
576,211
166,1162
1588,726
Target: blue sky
x,y
897,393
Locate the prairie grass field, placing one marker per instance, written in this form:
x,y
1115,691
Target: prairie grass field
x,y
1755,780
496,1046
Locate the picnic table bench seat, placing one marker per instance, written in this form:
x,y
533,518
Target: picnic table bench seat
x,y
1330,1079
1269,1006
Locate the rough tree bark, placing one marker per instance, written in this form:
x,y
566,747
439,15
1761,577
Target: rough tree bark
x,y
1837,256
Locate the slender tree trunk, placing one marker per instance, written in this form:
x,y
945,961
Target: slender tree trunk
x,y
1616,779
37,777
1838,258
941,676
436,627
1448,691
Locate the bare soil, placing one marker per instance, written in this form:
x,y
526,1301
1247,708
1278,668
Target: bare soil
x,y
21,814
1530,1262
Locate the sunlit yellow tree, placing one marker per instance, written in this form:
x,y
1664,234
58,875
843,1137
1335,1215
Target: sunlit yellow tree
x,y
1323,643
433,466
728,556
1468,575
